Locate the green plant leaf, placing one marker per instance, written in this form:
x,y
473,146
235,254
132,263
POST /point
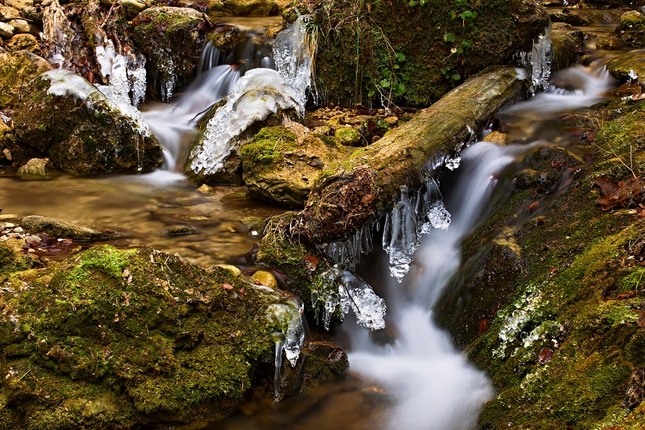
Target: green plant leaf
x,y
456,77
400,57
385,83
448,37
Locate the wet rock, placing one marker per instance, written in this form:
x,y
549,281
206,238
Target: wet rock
x,y
496,137
36,168
171,39
282,166
19,4
265,278
59,228
16,70
610,43
67,119
233,270
569,18
181,230
19,25
631,29
151,371
567,44
628,66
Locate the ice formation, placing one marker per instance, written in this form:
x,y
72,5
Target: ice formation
x,y
538,61
287,316
349,251
259,93
126,74
348,292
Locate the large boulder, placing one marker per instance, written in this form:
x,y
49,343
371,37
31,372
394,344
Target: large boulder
x,y
124,339
64,117
246,7
414,52
281,164
171,38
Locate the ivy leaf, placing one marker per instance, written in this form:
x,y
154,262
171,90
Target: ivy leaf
x,y
385,83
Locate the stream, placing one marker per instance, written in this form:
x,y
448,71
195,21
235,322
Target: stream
x,y
408,376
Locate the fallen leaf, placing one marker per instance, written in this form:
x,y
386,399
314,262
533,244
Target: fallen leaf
x,y
621,194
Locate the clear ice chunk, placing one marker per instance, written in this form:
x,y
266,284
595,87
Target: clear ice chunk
x,y
400,237
358,295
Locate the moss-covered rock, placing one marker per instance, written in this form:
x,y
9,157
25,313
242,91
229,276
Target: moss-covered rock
x,y
411,53
16,70
628,65
117,339
217,8
65,118
631,29
567,44
282,167
171,38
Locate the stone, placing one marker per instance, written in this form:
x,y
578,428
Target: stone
x,y
81,131
246,7
348,136
36,167
631,29
19,4
496,137
24,41
265,278
20,26
181,230
6,30
60,229
282,167
7,13
233,270
628,65
611,43
171,38
133,7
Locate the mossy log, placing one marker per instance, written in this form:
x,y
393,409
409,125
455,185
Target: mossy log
x,y
352,191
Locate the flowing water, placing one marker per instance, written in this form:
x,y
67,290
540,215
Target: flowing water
x,y
406,376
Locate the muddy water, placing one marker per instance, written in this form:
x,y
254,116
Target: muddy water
x,y
140,209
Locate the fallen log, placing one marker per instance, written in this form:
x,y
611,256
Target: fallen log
x,y
352,191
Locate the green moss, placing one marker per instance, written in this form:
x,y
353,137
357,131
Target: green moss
x,y
267,148
105,339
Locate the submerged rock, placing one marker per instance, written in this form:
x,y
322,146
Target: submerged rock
x,y
123,339
60,229
69,120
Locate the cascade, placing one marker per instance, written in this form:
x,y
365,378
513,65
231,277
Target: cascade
x,y
259,93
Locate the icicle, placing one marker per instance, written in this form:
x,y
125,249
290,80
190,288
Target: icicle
x,y
348,252
292,57
538,61
400,238
277,362
430,210
327,296
358,295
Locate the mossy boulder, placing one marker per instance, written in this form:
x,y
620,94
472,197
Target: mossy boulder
x,y
65,118
171,38
120,339
628,65
567,44
282,167
60,229
410,53
631,29
548,300
16,70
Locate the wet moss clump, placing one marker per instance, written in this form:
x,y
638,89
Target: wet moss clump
x,y
549,301
114,339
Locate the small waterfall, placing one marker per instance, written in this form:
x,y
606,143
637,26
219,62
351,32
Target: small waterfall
x,y
434,386
252,88
258,94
